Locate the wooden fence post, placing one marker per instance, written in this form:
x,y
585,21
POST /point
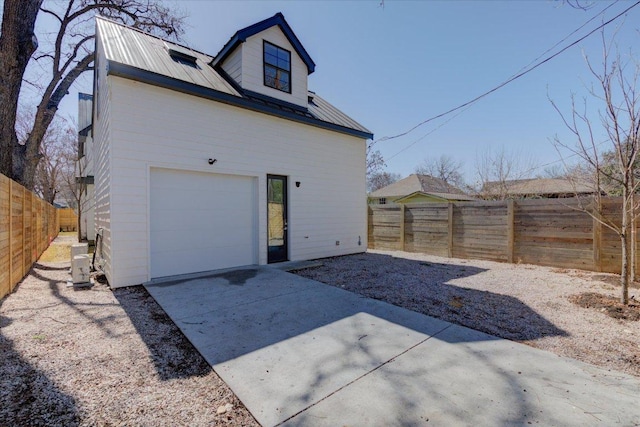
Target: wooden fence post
x,y
450,231
597,238
402,226
510,230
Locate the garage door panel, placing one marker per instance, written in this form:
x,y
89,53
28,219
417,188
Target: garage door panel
x,y
201,222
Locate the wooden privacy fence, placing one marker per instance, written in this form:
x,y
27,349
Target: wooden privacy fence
x,y
27,225
67,219
551,232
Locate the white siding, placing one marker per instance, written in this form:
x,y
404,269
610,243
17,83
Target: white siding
x,y
252,67
87,204
183,132
102,162
233,65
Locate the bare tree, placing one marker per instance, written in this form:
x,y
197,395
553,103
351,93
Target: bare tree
x,y
375,162
66,57
620,124
17,44
56,152
496,169
445,168
381,179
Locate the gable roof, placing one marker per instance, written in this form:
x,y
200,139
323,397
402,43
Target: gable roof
x,y
136,55
420,183
445,197
539,187
242,35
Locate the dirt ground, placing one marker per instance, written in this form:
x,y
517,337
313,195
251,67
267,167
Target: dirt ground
x,y
92,356
97,357
572,313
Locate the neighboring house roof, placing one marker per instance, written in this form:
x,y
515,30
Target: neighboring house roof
x,y
538,187
136,55
420,183
242,35
445,197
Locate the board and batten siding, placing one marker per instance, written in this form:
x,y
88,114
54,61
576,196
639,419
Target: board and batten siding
x,y
179,131
102,163
252,67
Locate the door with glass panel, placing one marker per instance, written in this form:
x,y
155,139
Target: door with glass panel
x,y
277,218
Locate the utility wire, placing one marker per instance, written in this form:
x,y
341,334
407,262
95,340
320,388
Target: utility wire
x,y
511,79
430,132
568,35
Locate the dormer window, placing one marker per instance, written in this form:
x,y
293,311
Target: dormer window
x,y
277,67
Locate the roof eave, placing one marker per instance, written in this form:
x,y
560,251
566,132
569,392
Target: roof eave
x,y
155,79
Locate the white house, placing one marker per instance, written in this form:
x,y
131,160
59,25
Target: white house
x,y
84,168
209,162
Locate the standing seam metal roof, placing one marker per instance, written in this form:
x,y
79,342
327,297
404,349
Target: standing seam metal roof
x,y
134,48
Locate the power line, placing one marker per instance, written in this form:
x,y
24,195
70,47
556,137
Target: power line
x,y
430,132
511,79
568,35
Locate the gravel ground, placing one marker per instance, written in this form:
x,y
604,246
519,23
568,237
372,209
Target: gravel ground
x,y
96,357
530,304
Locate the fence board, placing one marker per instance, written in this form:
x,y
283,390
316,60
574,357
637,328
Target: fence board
x,y
27,226
68,220
552,232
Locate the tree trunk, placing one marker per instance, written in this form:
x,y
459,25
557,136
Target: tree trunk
x,y
17,44
632,254
625,274
25,168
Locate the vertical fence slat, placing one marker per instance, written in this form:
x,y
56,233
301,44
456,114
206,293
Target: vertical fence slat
x,y
510,230
597,245
403,222
450,230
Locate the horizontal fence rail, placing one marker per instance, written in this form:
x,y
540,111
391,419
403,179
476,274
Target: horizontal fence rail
x,y
549,232
67,219
28,224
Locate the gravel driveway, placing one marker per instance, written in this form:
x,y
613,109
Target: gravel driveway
x,y
525,303
97,357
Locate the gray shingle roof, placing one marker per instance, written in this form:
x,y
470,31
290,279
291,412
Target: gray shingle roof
x,y
539,186
423,184
145,57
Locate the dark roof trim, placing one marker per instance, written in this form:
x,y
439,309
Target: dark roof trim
x,y
85,131
137,74
85,96
242,35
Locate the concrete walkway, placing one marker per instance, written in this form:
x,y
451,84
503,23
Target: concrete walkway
x,y
298,352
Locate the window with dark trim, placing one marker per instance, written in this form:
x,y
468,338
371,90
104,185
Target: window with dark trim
x,y
382,201
277,67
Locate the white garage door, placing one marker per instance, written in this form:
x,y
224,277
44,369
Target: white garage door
x,y
201,222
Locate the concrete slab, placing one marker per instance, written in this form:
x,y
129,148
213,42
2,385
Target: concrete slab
x,y
460,377
299,352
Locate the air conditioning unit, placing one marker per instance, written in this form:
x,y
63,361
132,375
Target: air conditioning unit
x,y
81,269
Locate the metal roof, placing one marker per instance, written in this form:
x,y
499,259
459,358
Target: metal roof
x,y
420,183
137,55
126,45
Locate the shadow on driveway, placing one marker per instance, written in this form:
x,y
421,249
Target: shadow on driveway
x,y
293,350
425,287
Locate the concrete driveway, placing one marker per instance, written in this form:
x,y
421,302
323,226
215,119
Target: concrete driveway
x,y
298,352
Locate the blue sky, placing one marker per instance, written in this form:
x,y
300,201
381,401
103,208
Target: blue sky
x,y
392,67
